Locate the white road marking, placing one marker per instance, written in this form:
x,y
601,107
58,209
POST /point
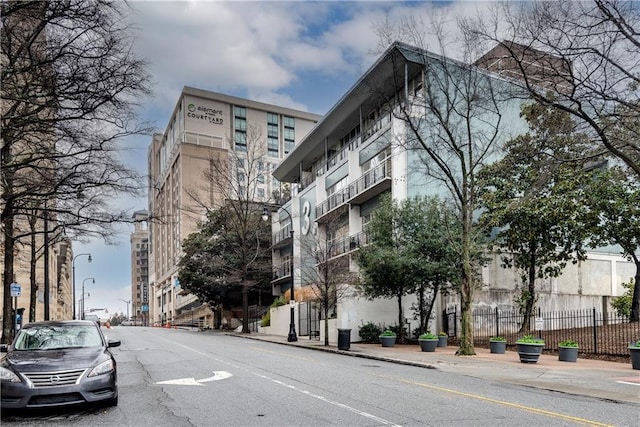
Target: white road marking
x,y
294,388
217,376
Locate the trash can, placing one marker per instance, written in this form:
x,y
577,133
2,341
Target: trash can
x,y
344,339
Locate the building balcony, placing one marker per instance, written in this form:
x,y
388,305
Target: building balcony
x,y
281,238
281,273
346,244
373,182
336,202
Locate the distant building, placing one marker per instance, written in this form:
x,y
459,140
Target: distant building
x,y
204,125
140,268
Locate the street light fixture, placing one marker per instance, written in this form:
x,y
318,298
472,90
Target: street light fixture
x,y
292,325
128,302
73,275
94,282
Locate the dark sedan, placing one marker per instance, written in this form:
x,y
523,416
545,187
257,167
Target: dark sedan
x,y
58,363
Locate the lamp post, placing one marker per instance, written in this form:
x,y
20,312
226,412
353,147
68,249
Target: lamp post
x,y
128,302
292,325
94,282
73,275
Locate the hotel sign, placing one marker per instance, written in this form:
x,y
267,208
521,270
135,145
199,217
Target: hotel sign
x,y
209,115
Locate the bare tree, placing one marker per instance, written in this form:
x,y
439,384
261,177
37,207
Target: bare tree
x,y
236,179
325,265
579,57
70,84
453,119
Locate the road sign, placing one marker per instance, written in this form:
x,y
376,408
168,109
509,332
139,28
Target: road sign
x,y
15,290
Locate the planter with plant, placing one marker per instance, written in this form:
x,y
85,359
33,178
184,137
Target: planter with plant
x,y
428,341
497,345
388,338
529,348
634,350
443,339
568,351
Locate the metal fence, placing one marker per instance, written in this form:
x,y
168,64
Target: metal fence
x,y
595,332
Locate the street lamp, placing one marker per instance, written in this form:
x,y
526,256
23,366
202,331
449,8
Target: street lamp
x,y
94,282
292,325
128,302
73,275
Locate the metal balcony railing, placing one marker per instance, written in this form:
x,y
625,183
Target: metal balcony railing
x,y
282,270
345,244
283,234
370,178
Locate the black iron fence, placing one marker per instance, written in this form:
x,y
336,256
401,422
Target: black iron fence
x,y
596,332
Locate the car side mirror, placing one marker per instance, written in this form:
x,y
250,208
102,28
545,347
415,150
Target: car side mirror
x,y
113,343
4,348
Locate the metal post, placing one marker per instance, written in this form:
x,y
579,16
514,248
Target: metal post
x,y
73,281
82,312
292,325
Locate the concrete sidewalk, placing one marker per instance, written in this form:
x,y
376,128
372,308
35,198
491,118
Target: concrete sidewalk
x,y
586,377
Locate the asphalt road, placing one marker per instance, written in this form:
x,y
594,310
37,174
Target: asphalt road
x,y
177,378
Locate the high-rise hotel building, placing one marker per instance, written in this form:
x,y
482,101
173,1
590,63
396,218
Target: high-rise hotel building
x,y
205,125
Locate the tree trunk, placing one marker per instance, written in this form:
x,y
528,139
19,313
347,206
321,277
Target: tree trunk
x,y
466,288
245,308
531,290
9,246
326,324
400,319
32,275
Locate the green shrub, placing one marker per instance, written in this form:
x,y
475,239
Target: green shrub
x,y
266,319
388,333
278,302
530,339
396,330
622,304
428,336
497,339
635,344
369,332
568,343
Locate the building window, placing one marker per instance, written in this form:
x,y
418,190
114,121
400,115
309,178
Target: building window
x,y
240,135
272,147
289,133
241,141
273,136
260,193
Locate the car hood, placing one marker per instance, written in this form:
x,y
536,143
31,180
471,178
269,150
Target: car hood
x,y
55,360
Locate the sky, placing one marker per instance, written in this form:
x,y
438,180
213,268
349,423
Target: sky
x,y
300,54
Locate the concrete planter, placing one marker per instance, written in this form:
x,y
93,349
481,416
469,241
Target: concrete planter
x,y
443,340
497,347
387,341
567,354
428,345
635,357
529,352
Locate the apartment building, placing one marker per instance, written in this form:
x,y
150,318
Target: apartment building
x,y
139,241
361,149
206,127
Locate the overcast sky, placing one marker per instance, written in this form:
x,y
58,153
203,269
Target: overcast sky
x,y
299,54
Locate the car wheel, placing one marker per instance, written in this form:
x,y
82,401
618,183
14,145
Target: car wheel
x,y
112,402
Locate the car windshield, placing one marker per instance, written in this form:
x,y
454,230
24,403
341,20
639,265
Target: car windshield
x,y
57,336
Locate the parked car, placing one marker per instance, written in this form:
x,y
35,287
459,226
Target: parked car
x,y
58,363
